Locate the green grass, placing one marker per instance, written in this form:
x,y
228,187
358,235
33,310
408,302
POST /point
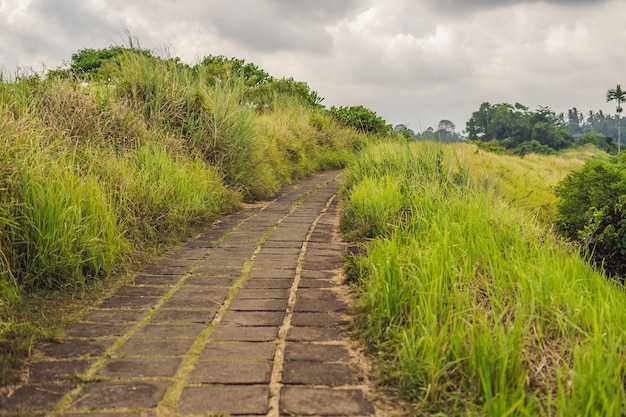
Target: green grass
x,y
67,227
527,182
472,305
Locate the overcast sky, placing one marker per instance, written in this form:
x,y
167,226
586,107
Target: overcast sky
x,y
411,61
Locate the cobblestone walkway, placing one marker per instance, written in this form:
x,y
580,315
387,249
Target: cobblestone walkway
x,y
248,319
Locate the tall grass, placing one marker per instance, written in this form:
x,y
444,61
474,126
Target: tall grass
x,y
211,117
78,203
170,191
297,141
476,309
527,182
94,176
67,226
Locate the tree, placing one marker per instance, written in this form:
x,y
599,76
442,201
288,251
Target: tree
x,y
446,125
289,87
574,120
404,131
478,124
606,143
514,125
618,95
445,128
532,146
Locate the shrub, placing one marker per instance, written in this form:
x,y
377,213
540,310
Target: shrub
x,y
532,146
361,119
606,143
222,68
592,210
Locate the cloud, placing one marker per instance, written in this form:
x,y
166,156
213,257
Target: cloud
x,y
318,11
278,25
44,32
438,67
462,7
370,51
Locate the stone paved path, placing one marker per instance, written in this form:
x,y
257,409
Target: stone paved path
x,y
248,319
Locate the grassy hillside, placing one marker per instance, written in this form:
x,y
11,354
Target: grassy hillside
x,y
100,173
472,305
527,182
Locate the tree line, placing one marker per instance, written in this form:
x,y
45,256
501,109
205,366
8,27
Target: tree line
x,y
522,131
514,128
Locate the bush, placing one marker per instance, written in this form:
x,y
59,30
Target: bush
x,y
532,146
606,143
361,119
592,211
94,64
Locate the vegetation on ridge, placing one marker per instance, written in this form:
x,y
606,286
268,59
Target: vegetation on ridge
x,y
471,305
124,154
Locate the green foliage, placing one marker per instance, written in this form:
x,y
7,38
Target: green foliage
x,y
594,122
618,95
492,146
532,146
262,88
93,64
514,126
605,143
444,134
404,132
264,96
89,60
223,68
592,210
472,307
361,119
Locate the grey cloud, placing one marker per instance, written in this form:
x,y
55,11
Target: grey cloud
x,y
72,17
460,7
267,34
50,31
275,25
320,11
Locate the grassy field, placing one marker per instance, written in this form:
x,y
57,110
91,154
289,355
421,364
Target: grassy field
x,y
526,182
469,301
96,177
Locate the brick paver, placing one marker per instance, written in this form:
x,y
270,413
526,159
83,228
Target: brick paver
x,y
247,319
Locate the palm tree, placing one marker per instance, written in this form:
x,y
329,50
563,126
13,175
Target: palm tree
x,y
618,95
